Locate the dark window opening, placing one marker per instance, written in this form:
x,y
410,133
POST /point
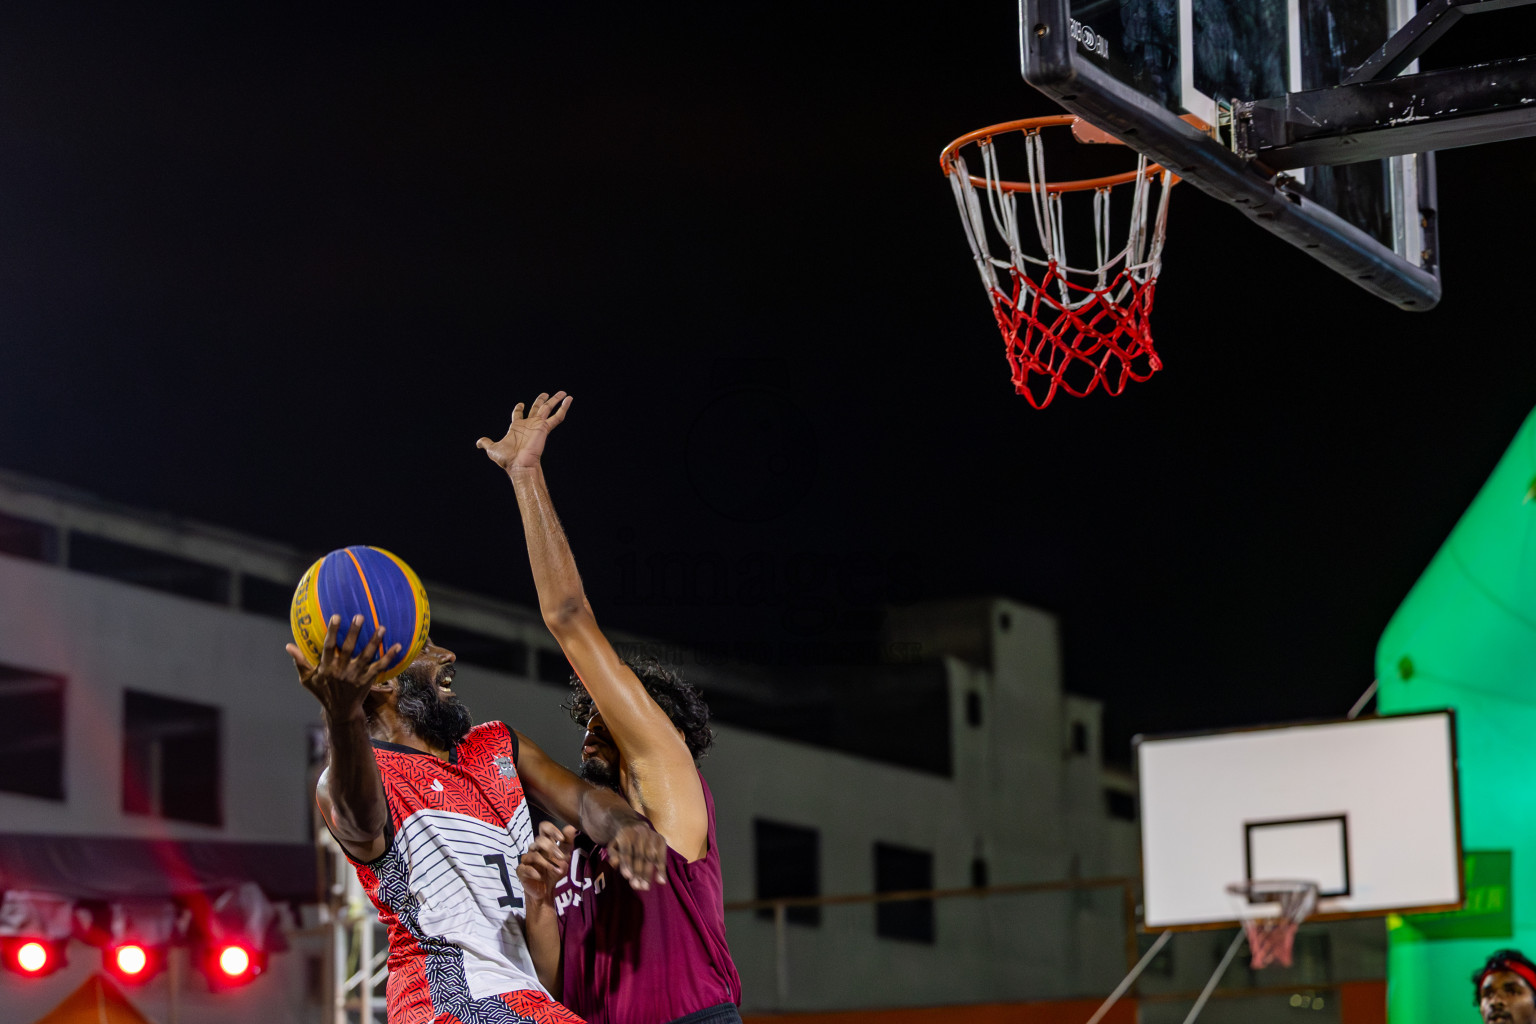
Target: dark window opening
x,y
145,568
553,668
979,873
902,869
32,742
788,863
171,759
1312,957
27,539
315,990
263,597
492,652
830,707
973,709
1120,805
1079,738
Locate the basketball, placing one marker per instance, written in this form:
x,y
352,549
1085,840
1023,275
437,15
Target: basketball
x,y
365,581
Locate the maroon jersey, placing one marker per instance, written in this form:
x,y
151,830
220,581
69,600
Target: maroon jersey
x,y
645,957
447,886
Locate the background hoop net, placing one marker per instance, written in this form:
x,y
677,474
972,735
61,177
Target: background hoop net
x,y
1064,327
1271,912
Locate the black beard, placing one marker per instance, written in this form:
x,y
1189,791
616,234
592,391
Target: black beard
x,y
443,724
599,773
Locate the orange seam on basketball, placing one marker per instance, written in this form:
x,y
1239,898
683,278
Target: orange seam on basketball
x,y
367,591
419,596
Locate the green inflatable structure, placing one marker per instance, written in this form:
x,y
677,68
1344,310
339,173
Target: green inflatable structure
x,y
1465,638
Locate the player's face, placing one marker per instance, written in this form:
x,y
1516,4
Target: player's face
x,y
436,665
1506,998
599,757
424,696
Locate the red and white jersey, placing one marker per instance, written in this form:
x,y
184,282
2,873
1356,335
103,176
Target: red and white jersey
x,y
447,886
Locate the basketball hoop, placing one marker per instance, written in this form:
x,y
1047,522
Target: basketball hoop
x,y
1064,327
1271,912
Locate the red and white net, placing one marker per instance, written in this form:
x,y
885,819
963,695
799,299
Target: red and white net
x,y
1065,327
1271,913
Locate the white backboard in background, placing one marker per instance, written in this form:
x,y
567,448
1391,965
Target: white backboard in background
x,y
1367,809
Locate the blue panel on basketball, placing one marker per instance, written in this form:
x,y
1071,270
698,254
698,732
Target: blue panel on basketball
x,y
364,581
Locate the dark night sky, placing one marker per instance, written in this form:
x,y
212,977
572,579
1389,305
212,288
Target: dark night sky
x,y
278,270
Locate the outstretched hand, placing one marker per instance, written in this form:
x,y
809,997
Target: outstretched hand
x,y
640,854
341,681
542,867
523,443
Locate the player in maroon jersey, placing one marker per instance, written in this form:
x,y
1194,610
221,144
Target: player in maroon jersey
x,y
433,814
632,954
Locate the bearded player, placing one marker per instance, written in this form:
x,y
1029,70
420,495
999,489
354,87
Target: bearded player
x,y
432,814
1505,989
632,954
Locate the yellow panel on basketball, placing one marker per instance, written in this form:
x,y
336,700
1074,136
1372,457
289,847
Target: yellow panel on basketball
x,y
366,581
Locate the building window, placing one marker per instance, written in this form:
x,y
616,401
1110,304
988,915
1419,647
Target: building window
x,y
788,863
1312,957
32,742
145,568
973,709
553,668
492,652
24,538
902,869
263,597
1079,738
1120,804
171,759
979,874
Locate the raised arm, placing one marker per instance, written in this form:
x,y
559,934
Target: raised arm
x,y
634,847
350,792
657,770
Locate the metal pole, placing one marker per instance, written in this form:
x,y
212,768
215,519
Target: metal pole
x,y
781,953
1365,698
173,963
365,967
339,962
1221,968
380,973
1128,907
1129,979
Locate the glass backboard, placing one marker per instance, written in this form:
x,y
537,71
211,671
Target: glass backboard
x,y
1134,67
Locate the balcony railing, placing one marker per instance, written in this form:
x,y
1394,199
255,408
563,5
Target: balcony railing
x,y
1072,939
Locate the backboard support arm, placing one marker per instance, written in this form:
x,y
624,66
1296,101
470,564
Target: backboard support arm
x,y
1421,32
1371,120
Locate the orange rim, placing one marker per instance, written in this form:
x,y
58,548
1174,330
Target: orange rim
x,y
1034,124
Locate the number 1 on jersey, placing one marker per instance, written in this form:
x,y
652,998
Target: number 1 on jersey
x,y
508,900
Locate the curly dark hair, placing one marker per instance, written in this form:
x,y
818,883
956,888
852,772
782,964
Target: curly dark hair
x,y
682,702
1499,961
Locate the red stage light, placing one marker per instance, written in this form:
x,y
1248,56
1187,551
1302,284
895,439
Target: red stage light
x,y
131,960
132,963
231,964
234,961
31,957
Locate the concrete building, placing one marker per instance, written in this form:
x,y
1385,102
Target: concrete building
x,y
145,655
